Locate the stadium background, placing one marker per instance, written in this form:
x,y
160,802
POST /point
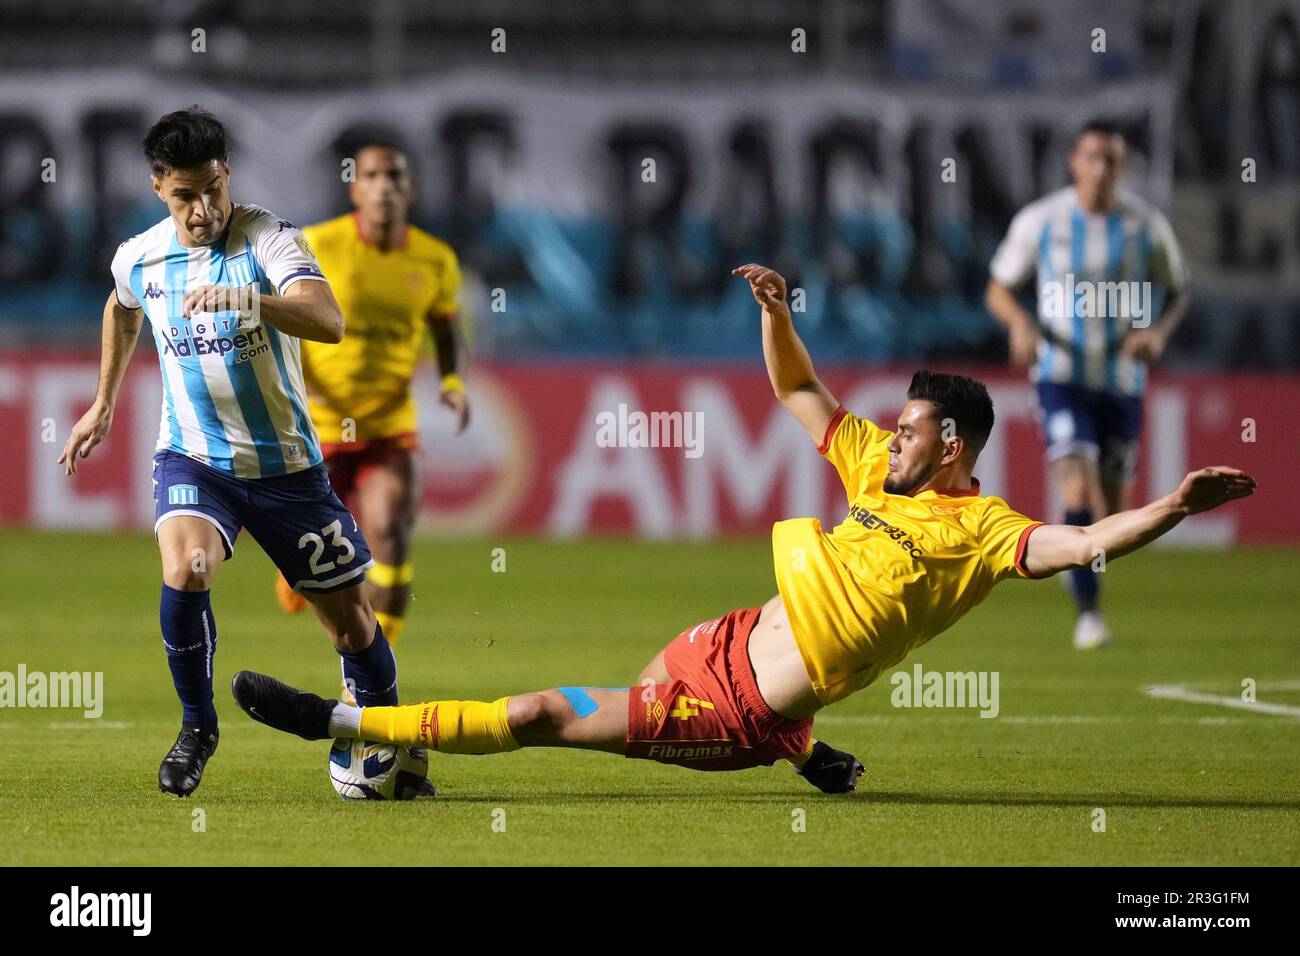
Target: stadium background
x,y
588,287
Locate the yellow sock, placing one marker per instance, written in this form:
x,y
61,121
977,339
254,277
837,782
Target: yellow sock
x,y
392,625
798,759
390,575
447,726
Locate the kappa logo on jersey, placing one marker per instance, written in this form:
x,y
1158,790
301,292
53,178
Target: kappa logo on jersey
x,y
182,494
153,291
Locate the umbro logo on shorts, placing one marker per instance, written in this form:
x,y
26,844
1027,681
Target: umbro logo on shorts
x,y
182,494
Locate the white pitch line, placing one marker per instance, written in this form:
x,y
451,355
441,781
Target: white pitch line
x,y
1180,692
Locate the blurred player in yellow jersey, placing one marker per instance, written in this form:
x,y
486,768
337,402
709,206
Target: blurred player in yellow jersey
x,y
392,281
920,546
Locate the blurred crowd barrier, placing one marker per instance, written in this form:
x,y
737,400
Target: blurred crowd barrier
x,y
595,219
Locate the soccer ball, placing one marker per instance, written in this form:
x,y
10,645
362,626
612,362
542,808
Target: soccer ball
x,y
365,770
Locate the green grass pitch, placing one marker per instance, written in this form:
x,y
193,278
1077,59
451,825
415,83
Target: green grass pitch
x,y
1180,783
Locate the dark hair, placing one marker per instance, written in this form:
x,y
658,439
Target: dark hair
x,y
1098,125
183,140
962,399
351,142
378,142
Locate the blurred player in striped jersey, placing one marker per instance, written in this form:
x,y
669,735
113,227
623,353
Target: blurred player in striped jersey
x,y
230,291
392,281
1110,282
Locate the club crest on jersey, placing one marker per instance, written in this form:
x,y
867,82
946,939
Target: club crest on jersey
x,y
239,271
182,494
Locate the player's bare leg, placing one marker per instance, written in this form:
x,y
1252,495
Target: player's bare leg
x,y
783,683
584,718
347,617
588,718
656,672
1078,481
388,501
191,549
591,718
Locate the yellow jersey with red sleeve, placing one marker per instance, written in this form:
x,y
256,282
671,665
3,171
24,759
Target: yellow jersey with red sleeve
x,y
897,571
385,297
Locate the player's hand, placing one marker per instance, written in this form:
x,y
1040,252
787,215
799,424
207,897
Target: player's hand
x,y
1210,487
86,434
1145,345
458,402
768,287
1023,344
217,298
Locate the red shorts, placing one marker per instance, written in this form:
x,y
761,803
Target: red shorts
x,y
711,716
348,464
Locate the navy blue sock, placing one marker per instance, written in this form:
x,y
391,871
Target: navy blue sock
x,y
1084,584
190,635
372,673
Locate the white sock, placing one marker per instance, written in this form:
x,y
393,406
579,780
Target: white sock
x,y
345,721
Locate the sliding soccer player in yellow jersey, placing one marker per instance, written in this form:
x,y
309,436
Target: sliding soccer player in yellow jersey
x,y
919,548
392,281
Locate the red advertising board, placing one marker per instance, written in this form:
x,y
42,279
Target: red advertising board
x,y
558,449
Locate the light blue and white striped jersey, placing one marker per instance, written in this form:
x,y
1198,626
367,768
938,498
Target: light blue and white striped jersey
x,y
1099,276
233,392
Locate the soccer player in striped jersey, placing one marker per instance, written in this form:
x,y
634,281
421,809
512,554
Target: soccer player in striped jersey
x,y
398,287
229,290
919,548
1111,291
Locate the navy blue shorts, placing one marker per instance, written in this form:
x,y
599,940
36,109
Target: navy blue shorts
x,y
296,518
1099,425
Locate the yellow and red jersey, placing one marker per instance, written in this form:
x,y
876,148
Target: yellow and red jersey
x,y
897,571
385,297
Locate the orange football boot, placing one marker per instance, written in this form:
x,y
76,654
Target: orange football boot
x,y
290,600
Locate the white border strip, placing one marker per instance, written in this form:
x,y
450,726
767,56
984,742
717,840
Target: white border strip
x,y
310,585
197,514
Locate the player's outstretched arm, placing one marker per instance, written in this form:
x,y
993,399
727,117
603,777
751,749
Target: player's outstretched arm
x,y
306,309
121,331
1053,548
788,364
